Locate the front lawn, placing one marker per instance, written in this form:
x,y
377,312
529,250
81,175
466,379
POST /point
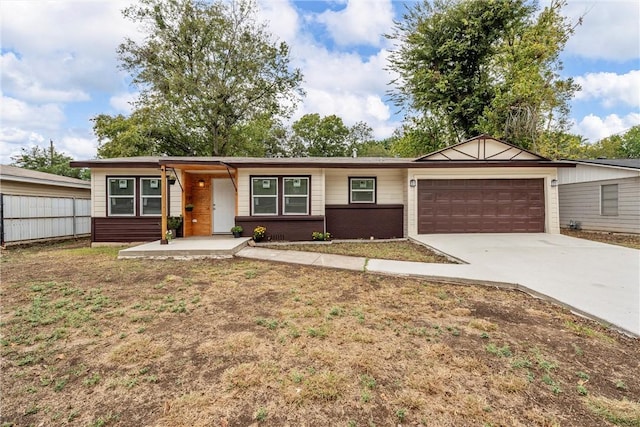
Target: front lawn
x,y
88,340
400,250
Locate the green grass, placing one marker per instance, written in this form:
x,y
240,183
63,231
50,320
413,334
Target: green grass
x,y
400,250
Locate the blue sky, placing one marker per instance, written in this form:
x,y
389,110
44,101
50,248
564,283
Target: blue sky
x,y
59,67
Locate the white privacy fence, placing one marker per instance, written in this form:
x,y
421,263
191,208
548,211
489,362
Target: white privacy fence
x,y
25,218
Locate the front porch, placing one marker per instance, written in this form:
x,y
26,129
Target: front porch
x,y
215,247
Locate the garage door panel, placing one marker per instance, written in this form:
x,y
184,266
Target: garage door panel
x,y
481,205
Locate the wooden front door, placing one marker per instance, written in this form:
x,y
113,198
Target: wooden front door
x,y
201,200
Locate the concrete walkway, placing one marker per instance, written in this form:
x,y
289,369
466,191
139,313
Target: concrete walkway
x,y
594,279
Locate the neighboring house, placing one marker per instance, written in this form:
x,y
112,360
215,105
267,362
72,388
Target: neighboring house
x,y
601,195
480,185
42,206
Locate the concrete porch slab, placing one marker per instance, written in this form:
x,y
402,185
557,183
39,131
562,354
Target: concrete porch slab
x,y
186,248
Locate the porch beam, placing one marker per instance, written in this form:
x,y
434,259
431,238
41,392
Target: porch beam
x,y
163,204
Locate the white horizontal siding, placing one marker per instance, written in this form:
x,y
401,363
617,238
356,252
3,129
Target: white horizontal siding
x,y
317,187
389,185
581,202
590,173
30,189
99,187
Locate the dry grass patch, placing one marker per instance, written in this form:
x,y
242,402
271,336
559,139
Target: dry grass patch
x,y
136,351
400,250
619,412
620,239
89,340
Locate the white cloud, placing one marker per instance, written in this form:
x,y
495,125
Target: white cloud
x,y
362,22
20,78
343,71
610,89
122,102
78,147
610,29
595,128
281,18
16,113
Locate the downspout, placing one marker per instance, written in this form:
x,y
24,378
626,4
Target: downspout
x,y
163,204
2,220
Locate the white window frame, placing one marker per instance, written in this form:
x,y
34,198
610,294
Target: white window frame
x,y
270,179
368,190
609,209
152,196
118,196
297,196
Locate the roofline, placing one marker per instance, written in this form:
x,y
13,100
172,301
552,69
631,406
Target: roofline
x,y
593,163
94,164
408,164
481,136
26,180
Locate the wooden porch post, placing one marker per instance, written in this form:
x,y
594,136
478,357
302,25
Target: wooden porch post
x,y
163,204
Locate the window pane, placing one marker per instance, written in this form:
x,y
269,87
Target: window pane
x,y
151,205
265,186
293,186
121,186
151,187
609,199
121,206
362,184
265,205
362,196
295,205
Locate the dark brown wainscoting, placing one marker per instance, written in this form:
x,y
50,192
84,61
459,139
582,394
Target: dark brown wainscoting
x,y
125,229
283,227
365,221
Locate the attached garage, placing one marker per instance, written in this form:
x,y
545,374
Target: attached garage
x,y
483,185
481,206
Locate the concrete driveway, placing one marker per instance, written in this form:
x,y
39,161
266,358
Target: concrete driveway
x,y
593,278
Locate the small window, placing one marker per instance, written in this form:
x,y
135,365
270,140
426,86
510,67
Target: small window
x,y
264,196
609,200
151,196
121,196
362,190
296,196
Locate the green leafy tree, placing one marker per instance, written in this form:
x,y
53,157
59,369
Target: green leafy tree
x,y
120,136
48,160
619,146
480,66
322,136
419,136
205,70
630,145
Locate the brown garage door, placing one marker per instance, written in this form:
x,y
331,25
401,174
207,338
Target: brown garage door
x,y
481,206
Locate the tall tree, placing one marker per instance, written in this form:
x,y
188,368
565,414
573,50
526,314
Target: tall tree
x,y
322,136
48,160
120,136
328,136
619,146
483,66
205,69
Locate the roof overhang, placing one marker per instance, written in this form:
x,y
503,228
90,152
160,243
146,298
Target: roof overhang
x,y
27,180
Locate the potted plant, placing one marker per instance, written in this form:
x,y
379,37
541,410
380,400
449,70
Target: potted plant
x,y
188,207
173,224
259,232
172,179
236,230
